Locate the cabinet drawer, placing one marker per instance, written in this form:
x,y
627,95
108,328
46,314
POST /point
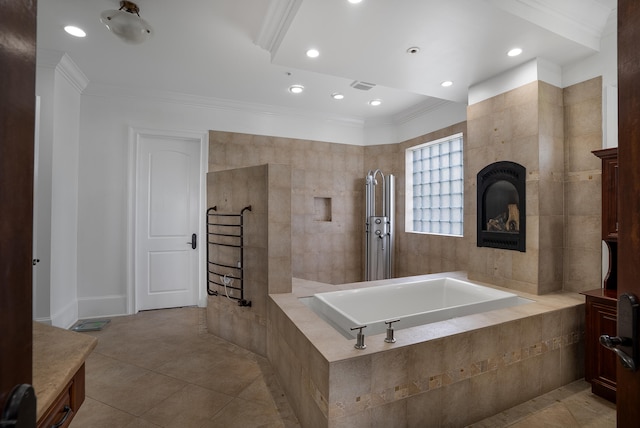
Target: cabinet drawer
x,y
60,411
64,408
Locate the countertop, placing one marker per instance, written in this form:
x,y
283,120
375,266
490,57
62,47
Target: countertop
x,y
57,356
602,293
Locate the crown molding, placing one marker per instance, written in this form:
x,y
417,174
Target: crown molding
x,y
582,21
419,110
276,23
188,100
63,64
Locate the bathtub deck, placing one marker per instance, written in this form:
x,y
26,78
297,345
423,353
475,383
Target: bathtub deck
x,y
503,357
335,347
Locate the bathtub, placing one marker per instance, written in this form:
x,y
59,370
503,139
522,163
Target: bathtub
x,y
412,303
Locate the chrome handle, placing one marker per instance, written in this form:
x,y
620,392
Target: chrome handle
x,y
360,337
390,338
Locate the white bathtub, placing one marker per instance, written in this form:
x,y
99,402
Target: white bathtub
x,y
413,303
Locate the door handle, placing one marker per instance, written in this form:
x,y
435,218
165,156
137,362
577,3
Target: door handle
x,y
625,345
20,408
194,241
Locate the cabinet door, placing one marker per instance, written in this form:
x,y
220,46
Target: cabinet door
x,y
600,367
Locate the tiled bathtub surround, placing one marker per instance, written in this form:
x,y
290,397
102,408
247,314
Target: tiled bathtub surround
x,y
500,358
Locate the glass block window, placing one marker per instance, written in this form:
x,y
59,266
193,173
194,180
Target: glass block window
x,y
435,187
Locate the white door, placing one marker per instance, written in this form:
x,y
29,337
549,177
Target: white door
x,y
167,212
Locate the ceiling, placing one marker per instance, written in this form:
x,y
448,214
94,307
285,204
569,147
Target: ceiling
x,y
249,52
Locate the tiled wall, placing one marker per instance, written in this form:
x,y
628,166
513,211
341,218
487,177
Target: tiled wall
x,y
552,133
583,181
548,130
323,250
267,249
417,253
524,125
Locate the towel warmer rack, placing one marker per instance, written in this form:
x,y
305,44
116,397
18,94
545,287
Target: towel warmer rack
x,y
225,243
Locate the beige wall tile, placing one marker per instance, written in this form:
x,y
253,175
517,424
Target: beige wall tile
x,y
539,126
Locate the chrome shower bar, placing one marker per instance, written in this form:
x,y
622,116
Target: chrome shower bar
x,y
379,229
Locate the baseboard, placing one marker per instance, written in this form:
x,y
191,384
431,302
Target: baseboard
x,y
103,306
46,320
67,316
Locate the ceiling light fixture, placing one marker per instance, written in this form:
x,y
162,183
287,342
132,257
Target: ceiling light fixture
x,y
75,31
375,102
446,83
514,52
313,53
354,1
337,96
127,24
296,89
413,50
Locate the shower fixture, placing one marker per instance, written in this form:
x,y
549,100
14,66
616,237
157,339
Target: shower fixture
x,y
379,229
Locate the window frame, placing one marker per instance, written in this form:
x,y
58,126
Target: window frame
x,y
409,186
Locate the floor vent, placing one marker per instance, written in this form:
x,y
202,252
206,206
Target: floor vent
x,y
363,86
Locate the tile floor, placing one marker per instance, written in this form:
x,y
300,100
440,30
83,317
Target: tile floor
x,y
162,369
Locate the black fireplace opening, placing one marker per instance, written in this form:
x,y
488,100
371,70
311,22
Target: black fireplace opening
x,y
501,206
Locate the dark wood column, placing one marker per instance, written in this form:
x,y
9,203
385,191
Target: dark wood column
x,y
17,113
628,383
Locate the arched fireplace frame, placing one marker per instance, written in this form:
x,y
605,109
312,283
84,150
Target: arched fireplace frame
x,y
514,174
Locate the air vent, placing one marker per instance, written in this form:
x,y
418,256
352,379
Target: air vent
x,y
363,86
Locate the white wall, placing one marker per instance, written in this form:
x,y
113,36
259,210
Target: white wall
x,y
59,86
42,216
106,117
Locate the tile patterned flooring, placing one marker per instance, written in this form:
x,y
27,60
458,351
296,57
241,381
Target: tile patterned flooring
x,y
162,369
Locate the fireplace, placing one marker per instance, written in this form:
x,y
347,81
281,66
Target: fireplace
x,y
501,206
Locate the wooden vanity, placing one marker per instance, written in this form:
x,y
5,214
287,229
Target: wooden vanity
x,y
58,373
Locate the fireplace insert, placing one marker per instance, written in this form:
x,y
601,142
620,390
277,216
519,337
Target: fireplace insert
x,y
501,206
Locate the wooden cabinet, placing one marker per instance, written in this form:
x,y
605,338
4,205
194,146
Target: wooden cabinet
x,y
609,159
59,357
601,303
65,406
600,362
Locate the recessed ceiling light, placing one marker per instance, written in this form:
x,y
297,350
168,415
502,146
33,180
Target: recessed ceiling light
x,y
75,31
375,102
514,52
354,1
337,96
296,89
313,53
446,83
413,50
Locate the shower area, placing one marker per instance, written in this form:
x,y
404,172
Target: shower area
x,y
379,225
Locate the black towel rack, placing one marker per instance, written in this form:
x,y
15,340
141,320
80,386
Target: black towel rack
x,y
225,244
